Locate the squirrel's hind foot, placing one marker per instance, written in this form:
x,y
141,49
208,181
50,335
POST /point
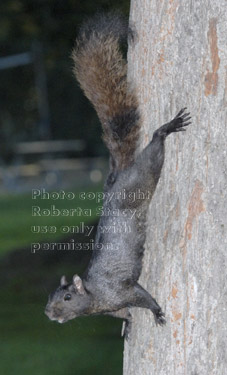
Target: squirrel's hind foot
x,y
180,121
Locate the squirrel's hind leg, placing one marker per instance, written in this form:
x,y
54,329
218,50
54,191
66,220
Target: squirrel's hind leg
x,y
180,121
152,157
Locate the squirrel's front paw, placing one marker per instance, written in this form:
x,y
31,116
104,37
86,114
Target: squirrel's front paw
x,y
160,318
126,328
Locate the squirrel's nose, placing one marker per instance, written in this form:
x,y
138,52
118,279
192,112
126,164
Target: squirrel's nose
x,y
48,313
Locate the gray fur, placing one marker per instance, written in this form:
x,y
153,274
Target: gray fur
x,y
109,285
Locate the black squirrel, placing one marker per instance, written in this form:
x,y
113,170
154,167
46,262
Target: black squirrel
x,y
109,285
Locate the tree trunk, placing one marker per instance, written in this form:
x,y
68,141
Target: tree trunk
x,y
179,59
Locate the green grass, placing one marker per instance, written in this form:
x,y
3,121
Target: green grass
x,y
17,219
32,344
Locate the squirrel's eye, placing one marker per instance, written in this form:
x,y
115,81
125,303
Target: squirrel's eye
x,y
67,297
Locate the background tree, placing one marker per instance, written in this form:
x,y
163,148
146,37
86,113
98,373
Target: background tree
x,y
180,60
54,23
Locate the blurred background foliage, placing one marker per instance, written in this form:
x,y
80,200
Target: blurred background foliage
x,y
54,23
30,343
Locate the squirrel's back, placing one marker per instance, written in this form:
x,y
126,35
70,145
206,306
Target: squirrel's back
x,y
101,71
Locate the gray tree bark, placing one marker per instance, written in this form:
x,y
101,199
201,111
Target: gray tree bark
x,y
179,59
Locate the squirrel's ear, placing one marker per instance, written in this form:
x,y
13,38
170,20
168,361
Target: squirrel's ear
x,y
77,282
63,281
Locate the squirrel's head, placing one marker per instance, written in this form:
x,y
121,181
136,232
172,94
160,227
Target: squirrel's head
x,y
68,301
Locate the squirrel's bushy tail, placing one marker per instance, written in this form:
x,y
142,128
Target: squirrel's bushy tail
x,y
102,73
